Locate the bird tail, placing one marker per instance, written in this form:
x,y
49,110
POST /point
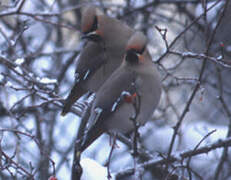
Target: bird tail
x,y
76,92
92,134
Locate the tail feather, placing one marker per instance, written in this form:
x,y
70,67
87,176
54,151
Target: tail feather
x,y
76,92
91,136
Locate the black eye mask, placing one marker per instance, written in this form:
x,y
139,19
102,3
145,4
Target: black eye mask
x,y
132,57
93,27
93,37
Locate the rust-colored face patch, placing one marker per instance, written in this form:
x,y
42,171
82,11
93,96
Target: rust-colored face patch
x,y
136,47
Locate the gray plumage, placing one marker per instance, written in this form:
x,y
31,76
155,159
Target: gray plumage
x,y
137,74
103,53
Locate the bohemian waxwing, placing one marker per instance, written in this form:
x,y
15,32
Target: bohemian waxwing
x,y
113,107
103,53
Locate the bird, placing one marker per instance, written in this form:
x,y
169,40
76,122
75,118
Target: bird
x,y
106,40
113,107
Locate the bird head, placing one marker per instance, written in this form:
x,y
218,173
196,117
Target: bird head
x,y
90,23
135,48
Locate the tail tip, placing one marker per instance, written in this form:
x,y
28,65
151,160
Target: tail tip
x,y
63,113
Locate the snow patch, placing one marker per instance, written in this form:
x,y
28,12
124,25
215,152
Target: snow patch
x,y
19,61
219,57
46,80
212,13
9,84
18,69
92,170
1,77
187,54
12,42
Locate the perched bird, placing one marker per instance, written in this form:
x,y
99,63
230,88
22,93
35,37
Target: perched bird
x,y
103,53
113,107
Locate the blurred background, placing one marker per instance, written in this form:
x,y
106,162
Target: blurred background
x,y
190,44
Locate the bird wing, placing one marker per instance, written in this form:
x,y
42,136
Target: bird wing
x,y
109,99
91,58
120,88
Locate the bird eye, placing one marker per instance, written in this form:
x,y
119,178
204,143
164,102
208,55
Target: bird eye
x,y
94,37
131,57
